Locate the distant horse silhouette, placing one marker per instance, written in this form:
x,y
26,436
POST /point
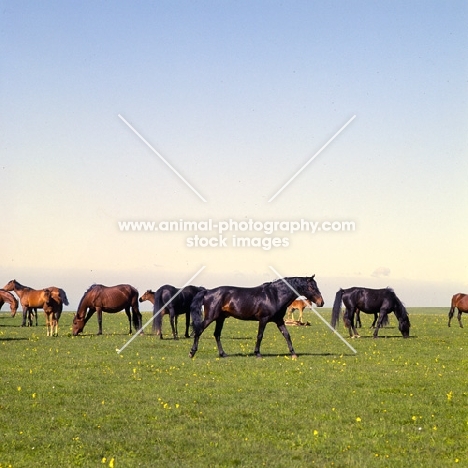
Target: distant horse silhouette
x,y
7,297
385,320
460,302
370,301
112,299
33,299
178,302
265,303
300,305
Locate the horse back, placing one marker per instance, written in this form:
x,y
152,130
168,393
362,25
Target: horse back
x,y
238,302
368,300
460,301
114,298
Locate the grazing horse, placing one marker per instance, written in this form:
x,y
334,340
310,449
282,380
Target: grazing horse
x,y
460,302
32,299
265,303
300,305
7,297
175,302
112,299
370,301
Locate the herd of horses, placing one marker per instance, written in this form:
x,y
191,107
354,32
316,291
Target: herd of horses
x,y
269,302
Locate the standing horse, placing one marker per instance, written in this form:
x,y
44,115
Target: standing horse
x,y
370,301
265,303
52,312
175,302
300,305
459,301
7,297
112,299
32,299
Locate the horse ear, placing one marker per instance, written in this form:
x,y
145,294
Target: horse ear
x,y
313,276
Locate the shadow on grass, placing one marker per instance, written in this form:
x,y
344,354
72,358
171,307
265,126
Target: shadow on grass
x,y
14,339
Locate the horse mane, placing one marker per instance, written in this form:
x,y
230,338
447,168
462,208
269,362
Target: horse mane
x,y
94,285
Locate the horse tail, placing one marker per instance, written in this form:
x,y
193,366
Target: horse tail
x,y
157,307
196,312
63,296
336,308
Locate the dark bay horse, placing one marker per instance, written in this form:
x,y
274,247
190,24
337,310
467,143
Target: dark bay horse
x,y
32,299
460,302
265,303
370,301
175,302
7,297
300,305
112,299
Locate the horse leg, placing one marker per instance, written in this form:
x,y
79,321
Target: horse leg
x,y
99,320
353,333
217,335
450,315
187,324
173,319
261,328
284,331
301,314
197,335
127,311
459,318
358,319
376,316
383,313
25,315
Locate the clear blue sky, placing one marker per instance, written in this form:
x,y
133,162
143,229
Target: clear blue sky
x,y
237,96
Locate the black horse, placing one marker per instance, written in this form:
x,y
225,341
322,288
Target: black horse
x,y
264,303
178,303
370,301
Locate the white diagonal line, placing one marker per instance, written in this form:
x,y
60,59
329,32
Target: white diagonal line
x,y
316,313
162,159
137,333
312,158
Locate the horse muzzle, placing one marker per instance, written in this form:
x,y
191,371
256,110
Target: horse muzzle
x,y
319,302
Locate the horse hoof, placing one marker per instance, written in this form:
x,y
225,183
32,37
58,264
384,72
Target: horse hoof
x,y
293,356
191,354
222,355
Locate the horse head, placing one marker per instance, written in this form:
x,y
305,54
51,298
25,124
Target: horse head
x,y
10,286
147,296
78,324
314,293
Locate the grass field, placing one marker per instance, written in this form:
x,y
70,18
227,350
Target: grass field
x,y
73,401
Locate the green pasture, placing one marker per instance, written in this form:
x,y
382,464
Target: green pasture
x,y
74,401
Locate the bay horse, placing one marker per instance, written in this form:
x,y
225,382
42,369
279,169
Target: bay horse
x,y
265,303
33,299
173,301
370,301
300,305
7,297
111,299
460,302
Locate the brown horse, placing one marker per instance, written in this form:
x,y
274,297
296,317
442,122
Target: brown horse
x,y
300,305
32,299
7,297
460,302
112,299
